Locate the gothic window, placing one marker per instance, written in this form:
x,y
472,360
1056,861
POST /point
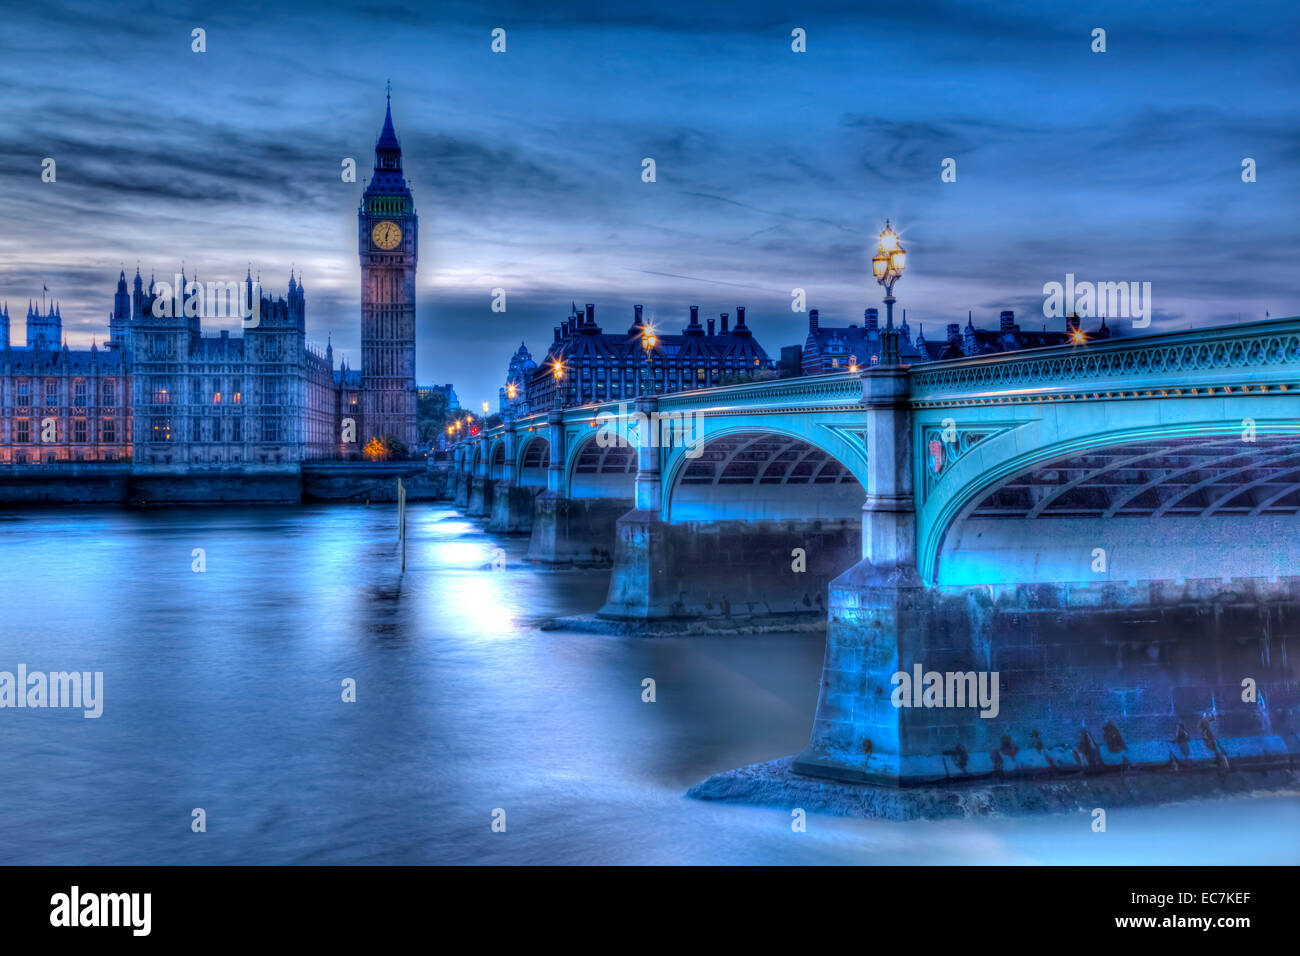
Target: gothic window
x,y
106,393
51,392
24,430
196,391
236,432
161,391
270,429
79,430
23,393
109,430
160,429
79,390
196,429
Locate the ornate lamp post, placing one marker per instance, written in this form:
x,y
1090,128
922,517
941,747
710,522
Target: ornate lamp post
x,y
887,266
557,370
648,341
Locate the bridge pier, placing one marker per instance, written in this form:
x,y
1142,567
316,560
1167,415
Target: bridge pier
x,y
1089,678
481,494
574,532
478,480
463,479
512,508
570,532
724,568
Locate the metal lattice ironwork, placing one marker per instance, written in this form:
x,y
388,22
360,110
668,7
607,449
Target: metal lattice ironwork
x,y
1180,477
764,459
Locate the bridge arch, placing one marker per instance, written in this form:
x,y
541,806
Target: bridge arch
x,y
497,460
533,461
759,473
600,472
1171,501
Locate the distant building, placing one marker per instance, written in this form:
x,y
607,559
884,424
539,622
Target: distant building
x,y
601,366
837,349
833,349
162,393
514,394
1008,337
426,391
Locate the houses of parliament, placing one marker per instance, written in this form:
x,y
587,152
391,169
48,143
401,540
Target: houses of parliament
x,y
163,395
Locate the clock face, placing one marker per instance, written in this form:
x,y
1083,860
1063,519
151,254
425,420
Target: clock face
x,y
386,234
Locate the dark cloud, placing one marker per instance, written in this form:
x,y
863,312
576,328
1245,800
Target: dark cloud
x,y
775,170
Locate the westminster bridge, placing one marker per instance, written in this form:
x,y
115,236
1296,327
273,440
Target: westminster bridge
x,y
1112,528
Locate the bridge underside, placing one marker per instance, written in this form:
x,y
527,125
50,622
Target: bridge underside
x,y
1137,606
577,528
513,501
1150,511
758,524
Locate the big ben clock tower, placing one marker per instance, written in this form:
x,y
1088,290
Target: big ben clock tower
x,y
388,245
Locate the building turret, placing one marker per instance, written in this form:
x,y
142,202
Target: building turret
x,y
121,314
44,331
137,296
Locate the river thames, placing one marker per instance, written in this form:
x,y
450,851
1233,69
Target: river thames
x,y
223,691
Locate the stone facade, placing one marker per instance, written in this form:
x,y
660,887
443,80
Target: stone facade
x,y
164,395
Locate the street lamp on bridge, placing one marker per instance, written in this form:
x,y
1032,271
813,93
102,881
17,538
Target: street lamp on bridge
x,y
648,341
887,266
557,370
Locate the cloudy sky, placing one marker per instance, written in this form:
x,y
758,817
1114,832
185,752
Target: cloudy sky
x,y
775,169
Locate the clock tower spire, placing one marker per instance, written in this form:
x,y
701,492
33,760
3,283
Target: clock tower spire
x,y
387,243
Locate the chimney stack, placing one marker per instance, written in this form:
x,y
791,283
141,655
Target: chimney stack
x,y
1007,321
725,319
710,328
636,310
813,321
954,331
557,333
740,317
591,314
872,319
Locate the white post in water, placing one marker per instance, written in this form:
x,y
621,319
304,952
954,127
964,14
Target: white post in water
x,y
401,520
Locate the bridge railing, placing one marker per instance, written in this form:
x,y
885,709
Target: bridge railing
x,y
1259,352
